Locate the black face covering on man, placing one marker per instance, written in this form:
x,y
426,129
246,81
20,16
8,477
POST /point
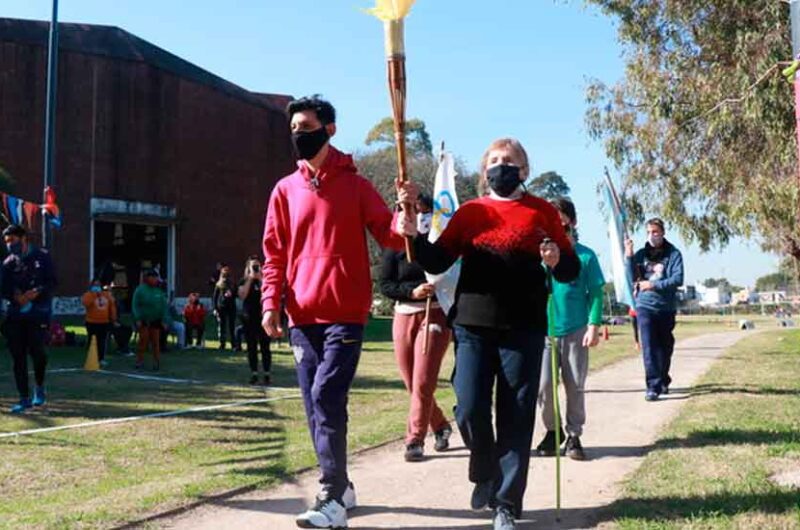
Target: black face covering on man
x,y
308,143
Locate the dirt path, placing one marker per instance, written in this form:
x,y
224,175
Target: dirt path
x,y
434,494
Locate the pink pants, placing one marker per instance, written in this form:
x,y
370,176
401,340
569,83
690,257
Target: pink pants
x,y
420,371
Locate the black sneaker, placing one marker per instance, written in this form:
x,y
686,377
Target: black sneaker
x,y
442,438
482,495
573,449
547,447
651,395
503,519
267,380
414,452
665,389
156,366
254,379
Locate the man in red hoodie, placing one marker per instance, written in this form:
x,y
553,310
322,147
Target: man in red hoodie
x,y
315,248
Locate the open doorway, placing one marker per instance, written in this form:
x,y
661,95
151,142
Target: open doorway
x,y
122,250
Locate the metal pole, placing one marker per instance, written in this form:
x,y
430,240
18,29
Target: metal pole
x,y
50,117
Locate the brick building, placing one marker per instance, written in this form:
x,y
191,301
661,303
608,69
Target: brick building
x,y
158,162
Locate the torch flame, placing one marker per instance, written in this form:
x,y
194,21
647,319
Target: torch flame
x,y
389,10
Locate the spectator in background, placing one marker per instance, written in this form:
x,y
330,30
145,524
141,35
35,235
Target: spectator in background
x,y
101,315
28,280
150,311
224,303
174,325
255,335
194,316
658,269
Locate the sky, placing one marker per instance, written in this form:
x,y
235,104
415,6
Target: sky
x,y
476,71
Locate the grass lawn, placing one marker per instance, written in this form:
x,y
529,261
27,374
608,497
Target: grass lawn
x,y
710,469
102,476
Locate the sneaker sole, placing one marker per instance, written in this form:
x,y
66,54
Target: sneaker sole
x,y
306,524
543,453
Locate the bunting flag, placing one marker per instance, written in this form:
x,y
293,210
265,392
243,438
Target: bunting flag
x,y
445,204
17,211
31,210
50,209
623,281
13,209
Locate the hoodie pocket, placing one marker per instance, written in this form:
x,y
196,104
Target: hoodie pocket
x,y
318,281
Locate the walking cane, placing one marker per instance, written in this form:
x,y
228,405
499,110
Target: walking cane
x,y
427,331
554,354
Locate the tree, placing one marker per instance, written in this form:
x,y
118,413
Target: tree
x,y
777,281
715,169
6,180
418,141
549,185
378,163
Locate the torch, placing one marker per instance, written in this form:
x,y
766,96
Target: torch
x,y
392,13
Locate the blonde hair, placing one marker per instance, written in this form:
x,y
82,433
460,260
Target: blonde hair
x,y
513,145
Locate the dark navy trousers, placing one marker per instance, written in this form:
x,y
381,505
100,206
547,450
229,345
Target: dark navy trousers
x,y
326,357
658,343
511,360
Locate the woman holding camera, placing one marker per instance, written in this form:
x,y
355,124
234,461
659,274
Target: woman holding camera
x,y
255,336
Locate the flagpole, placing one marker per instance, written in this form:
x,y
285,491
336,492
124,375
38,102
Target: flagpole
x,y
50,118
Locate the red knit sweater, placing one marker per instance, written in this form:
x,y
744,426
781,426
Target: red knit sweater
x,y
502,283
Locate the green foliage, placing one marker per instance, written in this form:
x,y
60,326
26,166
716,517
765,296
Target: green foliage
x,y
6,180
418,141
379,165
715,171
549,185
777,281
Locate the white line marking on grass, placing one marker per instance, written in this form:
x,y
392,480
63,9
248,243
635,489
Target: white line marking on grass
x,y
129,419
153,378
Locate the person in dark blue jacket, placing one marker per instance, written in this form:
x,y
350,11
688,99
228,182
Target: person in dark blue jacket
x,y
658,272
28,281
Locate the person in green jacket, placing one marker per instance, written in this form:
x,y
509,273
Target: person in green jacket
x,y
576,312
150,311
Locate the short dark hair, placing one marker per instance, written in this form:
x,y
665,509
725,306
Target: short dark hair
x,y
426,200
14,230
322,108
566,207
656,221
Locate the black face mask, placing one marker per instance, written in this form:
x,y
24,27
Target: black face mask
x,y
503,179
308,143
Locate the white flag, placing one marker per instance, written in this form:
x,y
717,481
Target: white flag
x,y
445,204
623,284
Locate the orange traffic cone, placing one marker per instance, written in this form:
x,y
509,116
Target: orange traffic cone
x,y
92,364
605,332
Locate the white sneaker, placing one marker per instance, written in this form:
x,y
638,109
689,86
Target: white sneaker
x,y
349,497
325,514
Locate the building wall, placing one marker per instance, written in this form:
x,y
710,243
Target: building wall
x,y
129,131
